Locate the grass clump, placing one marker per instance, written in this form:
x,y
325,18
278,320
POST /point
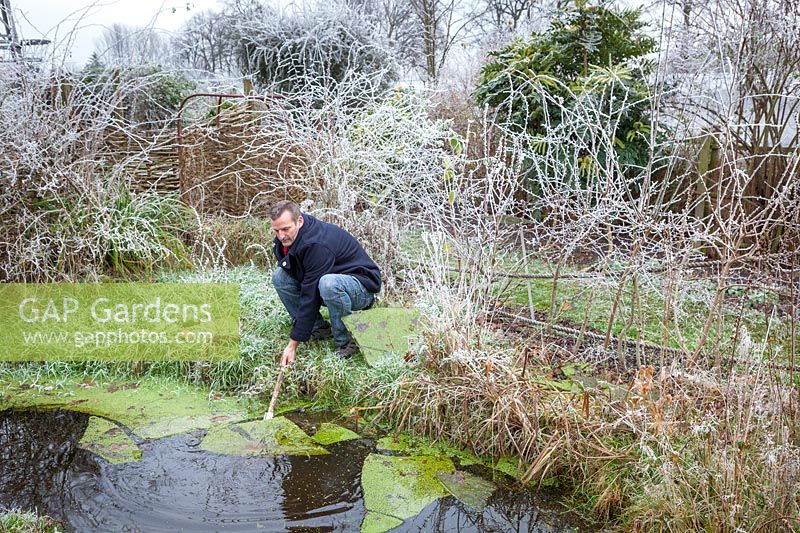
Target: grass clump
x,y
27,522
233,241
669,450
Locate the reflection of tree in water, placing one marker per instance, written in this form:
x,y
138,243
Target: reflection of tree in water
x,y
506,512
447,514
324,491
518,512
37,449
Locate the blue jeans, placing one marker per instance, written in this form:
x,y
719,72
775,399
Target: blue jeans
x,y
341,294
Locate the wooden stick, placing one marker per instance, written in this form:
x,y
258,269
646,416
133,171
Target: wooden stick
x,y
270,412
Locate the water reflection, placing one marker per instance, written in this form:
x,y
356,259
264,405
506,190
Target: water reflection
x,y
323,485
175,486
178,487
507,512
36,450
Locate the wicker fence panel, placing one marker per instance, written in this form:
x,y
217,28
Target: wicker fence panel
x,y
235,163
150,157
240,162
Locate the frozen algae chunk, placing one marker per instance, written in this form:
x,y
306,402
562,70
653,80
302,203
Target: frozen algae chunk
x,y
279,436
418,446
109,441
378,523
470,489
331,433
400,487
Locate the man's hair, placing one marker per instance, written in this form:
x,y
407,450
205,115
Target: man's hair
x,y
284,205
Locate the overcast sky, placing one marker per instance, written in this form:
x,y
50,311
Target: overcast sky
x,y
74,25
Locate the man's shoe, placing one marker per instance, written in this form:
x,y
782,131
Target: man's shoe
x,y
322,333
347,351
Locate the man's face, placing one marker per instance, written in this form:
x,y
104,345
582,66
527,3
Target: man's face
x,y
286,229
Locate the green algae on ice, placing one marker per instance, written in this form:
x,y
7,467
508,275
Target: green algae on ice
x,y
411,445
468,488
378,523
331,433
109,441
149,408
401,487
383,330
278,436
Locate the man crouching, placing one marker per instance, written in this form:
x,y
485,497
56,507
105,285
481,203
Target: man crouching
x,y
319,264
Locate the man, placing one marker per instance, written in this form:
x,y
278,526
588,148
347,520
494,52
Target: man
x,y
319,264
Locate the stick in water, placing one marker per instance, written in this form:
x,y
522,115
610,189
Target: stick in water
x,y
270,412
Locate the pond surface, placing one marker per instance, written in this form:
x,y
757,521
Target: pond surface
x,y
177,486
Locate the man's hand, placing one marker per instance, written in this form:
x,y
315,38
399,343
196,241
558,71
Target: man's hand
x,y
288,353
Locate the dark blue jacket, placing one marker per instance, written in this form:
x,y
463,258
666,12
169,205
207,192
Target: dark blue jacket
x,y
321,248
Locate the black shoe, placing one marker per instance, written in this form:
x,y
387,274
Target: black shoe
x,y
347,351
322,333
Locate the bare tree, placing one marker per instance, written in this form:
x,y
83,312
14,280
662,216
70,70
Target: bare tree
x,y
744,67
501,21
321,46
738,94
395,20
443,24
206,42
508,14
124,45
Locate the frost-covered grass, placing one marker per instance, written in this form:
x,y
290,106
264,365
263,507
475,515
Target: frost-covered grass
x,y
26,522
318,378
642,310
